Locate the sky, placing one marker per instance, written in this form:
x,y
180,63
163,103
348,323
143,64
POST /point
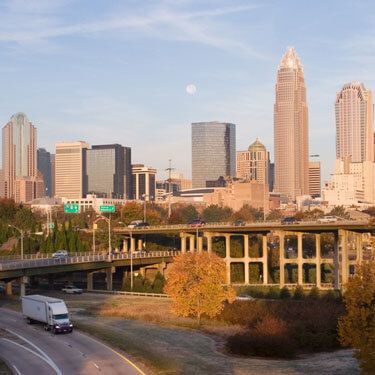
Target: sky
x,y
117,71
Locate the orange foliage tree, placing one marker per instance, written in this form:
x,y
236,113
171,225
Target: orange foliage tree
x,y
196,284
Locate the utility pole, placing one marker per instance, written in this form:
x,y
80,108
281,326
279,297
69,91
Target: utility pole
x,y
170,169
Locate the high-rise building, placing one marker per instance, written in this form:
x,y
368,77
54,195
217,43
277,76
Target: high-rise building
x,y
291,128
271,176
19,152
253,164
45,167
314,179
70,169
144,182
354,123
109,171
213,151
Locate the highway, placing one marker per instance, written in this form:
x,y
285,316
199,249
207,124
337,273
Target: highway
x,y
30,350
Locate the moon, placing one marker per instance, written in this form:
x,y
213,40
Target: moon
x,y
191,89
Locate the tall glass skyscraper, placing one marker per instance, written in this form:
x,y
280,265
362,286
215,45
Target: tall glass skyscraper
x,y
108,169
45,167
213,151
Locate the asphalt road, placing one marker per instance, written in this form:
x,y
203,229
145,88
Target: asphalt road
x,y
30,350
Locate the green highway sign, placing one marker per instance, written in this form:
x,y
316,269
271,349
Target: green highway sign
x,y
51,225
109,208
71,208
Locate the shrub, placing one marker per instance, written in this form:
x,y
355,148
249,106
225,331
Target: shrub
x,y
285,293
273,293
298,292
314,293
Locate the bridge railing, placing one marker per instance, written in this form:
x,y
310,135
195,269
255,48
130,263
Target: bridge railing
x,y
34,263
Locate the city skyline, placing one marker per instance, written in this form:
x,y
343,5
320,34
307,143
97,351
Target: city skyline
x,y
127,95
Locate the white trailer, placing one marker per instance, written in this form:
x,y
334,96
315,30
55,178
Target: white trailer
x,y
52,312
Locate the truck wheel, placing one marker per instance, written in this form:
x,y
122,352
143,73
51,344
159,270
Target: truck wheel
x,y
46,327
71,330
29,321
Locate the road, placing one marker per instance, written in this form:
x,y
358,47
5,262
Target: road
x,y
30,350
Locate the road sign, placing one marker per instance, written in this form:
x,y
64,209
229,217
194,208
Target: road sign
x,y
51,225
108,208
71,208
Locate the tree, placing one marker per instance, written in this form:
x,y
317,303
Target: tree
x,y
248,213
214,213
196,285
339,211
274,215
357,326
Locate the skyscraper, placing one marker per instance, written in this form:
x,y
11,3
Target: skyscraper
x,y
19,152
144,182
213,151
291,128
109,171
253,164
314,179
354,123
44,165
70,170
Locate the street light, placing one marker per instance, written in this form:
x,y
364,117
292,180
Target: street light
x,y
22,234
108,220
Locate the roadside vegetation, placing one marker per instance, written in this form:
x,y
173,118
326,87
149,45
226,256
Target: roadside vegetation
x,y
4,369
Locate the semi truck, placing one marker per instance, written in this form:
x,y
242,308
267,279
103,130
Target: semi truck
x,y
52,312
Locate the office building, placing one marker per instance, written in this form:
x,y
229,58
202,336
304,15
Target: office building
x,y
19,152
291,128
27,189
354,123
213,152
70,169
144,182
44,165
271,175
253,164
314,179
108,169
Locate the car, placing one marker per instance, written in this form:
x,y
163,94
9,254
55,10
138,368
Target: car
x,y
60,254
239,223
197,223
327,219
289,220
245,297
71,289
138,224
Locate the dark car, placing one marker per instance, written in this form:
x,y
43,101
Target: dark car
x,y
239,223
289,220
197,223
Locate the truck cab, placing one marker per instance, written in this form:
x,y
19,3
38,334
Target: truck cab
x,y
58,318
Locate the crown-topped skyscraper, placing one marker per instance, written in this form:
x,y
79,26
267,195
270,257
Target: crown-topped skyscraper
x,y
291,128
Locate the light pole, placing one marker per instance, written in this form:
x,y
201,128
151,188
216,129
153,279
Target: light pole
x,y
108,220
22,235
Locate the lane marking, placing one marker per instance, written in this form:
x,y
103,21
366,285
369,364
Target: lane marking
x,y
117,353
16,369
96,365
51,362
35,353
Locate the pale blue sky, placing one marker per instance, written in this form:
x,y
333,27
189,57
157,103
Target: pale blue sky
x,y
116,71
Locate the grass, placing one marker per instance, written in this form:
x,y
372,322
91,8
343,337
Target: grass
x,y
129,344
4,369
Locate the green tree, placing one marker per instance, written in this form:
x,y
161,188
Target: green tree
x,y
248,213
215,213
357,326
339,211
274,215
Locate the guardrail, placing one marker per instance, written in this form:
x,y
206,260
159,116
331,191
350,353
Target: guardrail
x,y
120,292
33,263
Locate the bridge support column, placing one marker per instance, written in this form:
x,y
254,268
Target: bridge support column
x,y
246,246
359,248
344,258
265,259
199,244
227,245
90,280
300,258
125,245
209,241
183,243
192,243
336,263
8,288
282,259
109,277
318,260
140,244
22,285
132,244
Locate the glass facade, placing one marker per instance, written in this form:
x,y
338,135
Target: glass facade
x,y
45,167
108,170
213,151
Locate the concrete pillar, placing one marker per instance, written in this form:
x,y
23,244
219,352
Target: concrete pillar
x,y
109,278
359,248
192,243
265,259
90,280
140,244
227,245
282,258
132,244
22,285
183,243
246,269
318,260
246,246
209,241
8,288
336,262
344,258
299,258
200,244
125,245
228,271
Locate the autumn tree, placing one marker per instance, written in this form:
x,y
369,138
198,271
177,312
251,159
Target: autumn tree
x,y
357,327
196,284
214,213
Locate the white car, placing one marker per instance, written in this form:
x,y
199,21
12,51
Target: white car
x,y
327,219
71,289
60,254
245,297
